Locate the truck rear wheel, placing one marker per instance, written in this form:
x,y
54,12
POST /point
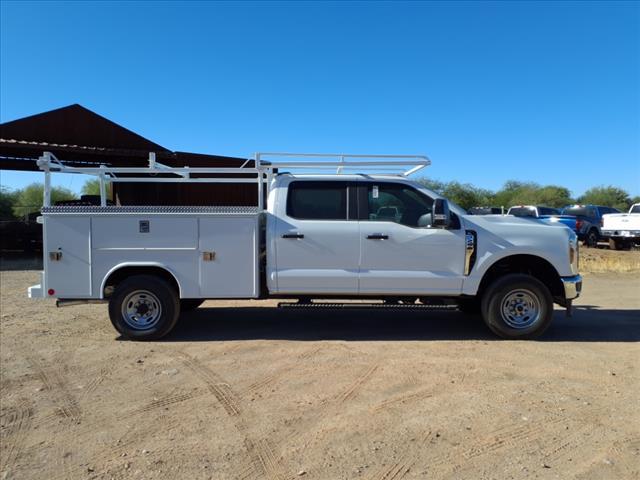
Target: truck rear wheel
x,y
517,306
591,240
619,244
144,307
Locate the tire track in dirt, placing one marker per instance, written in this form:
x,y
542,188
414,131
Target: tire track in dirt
x,y
509,436
95,382
261,452
168,400
567,444
328,408
512,436
401,399
214,383
278,374
354,388
403,466
15,426
57,385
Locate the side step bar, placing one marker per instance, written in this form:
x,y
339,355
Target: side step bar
x,y
360,306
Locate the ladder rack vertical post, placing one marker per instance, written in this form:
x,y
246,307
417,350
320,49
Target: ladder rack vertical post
x,y
260,182
103,188
47,180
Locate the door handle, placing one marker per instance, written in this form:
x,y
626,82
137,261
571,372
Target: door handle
x,y
293,235
378,236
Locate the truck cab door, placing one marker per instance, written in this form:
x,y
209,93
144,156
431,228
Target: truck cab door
x,y
316,238
401,253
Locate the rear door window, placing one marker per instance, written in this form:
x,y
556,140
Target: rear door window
x,y
317,200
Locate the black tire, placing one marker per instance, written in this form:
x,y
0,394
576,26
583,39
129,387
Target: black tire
x,y
591,240
188,304
619,244
469,306
521,288
145,294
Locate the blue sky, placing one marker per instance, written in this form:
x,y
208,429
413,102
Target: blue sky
x,y
546,92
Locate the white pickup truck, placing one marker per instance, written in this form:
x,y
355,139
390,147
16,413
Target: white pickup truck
x,y
372,237
623,229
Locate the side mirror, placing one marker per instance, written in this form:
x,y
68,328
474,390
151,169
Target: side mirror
x,y
441,218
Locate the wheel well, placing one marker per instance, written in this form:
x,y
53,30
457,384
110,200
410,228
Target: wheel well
x,y
532,265
122,273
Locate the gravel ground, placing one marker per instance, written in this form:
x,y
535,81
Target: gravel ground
x,y
243,390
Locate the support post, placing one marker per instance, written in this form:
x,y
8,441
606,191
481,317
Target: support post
x,y
260,183
103,188
44,163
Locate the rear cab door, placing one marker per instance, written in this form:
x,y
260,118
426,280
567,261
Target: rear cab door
x,y
316,241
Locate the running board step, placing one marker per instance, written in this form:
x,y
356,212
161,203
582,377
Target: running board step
x,y
360,306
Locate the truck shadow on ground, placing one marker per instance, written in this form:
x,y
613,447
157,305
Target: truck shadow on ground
x,y
588,324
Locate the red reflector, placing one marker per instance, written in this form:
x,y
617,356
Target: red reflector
x,y
51,291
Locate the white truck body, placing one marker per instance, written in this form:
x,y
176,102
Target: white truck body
x,y
371,245
87,245
622,227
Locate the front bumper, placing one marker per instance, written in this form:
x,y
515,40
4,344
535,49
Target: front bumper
x,y
572,286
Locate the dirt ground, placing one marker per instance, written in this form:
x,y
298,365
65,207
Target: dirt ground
x,y
243,390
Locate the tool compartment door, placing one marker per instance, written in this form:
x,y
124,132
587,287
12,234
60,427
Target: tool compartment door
x,y
228,249
70,275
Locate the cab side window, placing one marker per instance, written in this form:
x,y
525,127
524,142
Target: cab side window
x,y
317,200
395,202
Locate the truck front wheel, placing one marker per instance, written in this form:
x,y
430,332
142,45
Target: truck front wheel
x,y
144,307
517,306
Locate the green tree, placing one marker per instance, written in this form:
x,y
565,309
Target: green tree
x,y
516,193
92,187
608,196
467,195
8,198
433,185
464,194
30,198
554,196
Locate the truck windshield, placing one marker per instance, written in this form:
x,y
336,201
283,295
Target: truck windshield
x,y
522,211
635,209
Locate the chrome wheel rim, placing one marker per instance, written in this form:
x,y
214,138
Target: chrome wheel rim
x,y
520,309
141,310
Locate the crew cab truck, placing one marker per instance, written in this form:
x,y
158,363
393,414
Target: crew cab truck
x,y
335,236
623,229
589,222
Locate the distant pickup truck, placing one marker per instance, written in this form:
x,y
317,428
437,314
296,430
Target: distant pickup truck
x,y
623,229
589,222
548,214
